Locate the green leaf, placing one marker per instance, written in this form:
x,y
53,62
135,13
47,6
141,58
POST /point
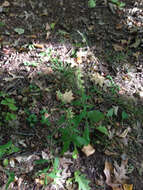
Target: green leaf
x,y
110,112
8,149
82,181
114,1
122,4
86,134
66,145
10,116
103,130
5,162
19,30
2,24
11,177
52,25
124,115
75,153
95,116
56,163
41,161
79,141
92,3
12,107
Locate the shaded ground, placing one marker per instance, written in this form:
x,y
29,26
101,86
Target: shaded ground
x,y
103,40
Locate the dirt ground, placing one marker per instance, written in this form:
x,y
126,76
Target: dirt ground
x,y
115,39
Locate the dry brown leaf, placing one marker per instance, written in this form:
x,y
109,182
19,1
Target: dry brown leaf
x,y
125,132
48,35
116,177
118,47
128,186
41,46
5,4
120,172
136,55
119,26
108,170
88,150
124,42
79,59
109,153
98,79
67,97
141,94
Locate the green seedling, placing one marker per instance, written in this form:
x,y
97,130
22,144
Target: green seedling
x,y
120,4
124,115
70,134
33,88
91,3
54,174
11,178
10,103
2,24
9,116
113,111
8,148
32,119
44,118
83,182
114,88
31,47
46,54
28,63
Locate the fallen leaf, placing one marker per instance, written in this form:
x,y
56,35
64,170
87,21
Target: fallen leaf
x,y
120,172
19,30
119,26
128,186
48,35
40,46
5,4
124,42
118,47
141,94
33,36
125,132
136,44
109,153
108,170
136,55
98,79
115,177
47,26
66,97
79,59
88,150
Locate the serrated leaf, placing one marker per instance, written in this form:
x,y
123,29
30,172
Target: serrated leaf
x,y
66,97
98,79
82,181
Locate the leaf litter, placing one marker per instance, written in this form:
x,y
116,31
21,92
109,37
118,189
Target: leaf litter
x,y
26,38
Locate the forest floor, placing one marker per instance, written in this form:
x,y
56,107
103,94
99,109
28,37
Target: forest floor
x,y
71,95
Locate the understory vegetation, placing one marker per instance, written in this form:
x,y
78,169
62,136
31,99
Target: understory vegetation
x,y
71,96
